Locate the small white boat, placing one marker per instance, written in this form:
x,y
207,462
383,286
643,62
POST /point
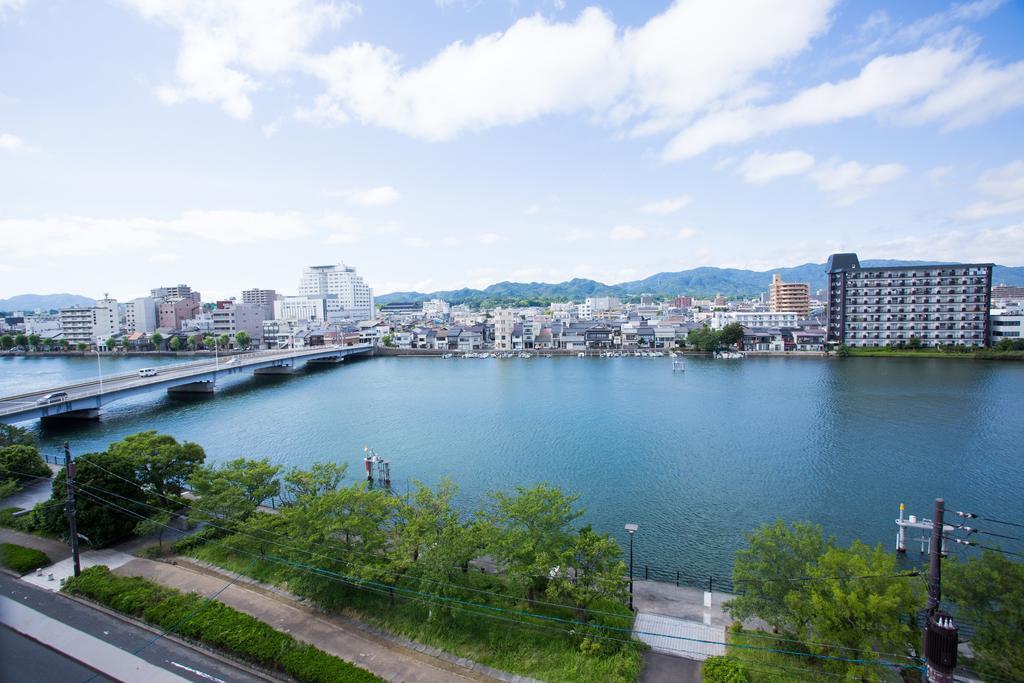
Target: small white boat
x,y
581,355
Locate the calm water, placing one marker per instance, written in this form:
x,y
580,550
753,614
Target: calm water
x,y
696,459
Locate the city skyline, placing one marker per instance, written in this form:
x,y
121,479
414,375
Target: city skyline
x,y
232,147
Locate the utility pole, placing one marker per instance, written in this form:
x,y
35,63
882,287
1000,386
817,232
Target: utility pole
x,y
941,635
69,507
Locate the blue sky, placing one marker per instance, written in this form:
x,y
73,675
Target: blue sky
x,y
433,145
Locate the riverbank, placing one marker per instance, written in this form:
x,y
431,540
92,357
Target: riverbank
x,y
981,354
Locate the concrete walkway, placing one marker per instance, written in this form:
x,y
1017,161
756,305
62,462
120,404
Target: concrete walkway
x,y
334,635
53,577
87,649
36,492
679,637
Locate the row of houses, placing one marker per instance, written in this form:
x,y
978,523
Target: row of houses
x,y
581,336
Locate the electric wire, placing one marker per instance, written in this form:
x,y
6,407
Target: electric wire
x,y
511,598
360,583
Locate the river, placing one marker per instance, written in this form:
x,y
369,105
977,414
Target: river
x,y
696,458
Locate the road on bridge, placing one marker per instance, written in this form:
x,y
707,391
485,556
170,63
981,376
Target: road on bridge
x,y
103,390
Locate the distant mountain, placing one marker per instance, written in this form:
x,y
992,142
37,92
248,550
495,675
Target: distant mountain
x,y
44,302
700,282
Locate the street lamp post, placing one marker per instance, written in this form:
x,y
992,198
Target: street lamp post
x,y
631,528
99,369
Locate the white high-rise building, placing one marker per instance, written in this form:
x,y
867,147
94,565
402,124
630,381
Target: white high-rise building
x,y
354,296
505,320
140,315
90,325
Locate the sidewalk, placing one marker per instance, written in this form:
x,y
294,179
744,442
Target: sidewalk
x,y
338,636
87,649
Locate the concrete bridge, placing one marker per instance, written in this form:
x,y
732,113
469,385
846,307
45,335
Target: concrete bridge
x,y
84,399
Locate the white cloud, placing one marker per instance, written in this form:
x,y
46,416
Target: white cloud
x,y
382,195
627,233
884,83
12,143
699,51
666,206
83,236
686,233
10,7
761,168
533,68
165,257
488,238
228,46
575,235
958,245
269,130
850,181
938,174
414,242
1005,185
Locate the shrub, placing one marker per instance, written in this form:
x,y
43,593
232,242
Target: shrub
x,y
21,463
198,539
216,624
21,559
724,670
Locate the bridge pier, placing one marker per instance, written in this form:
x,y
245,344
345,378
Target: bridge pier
x,y
203,387
83,414
275,370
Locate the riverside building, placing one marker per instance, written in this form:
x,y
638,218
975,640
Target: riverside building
x,y
790,296
880,306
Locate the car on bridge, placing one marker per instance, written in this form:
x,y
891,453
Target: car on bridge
x,y
55,397
147,372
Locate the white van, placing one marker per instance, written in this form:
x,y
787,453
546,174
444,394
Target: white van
x,y
147,372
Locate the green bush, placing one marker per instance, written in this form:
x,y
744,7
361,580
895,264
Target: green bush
x,y
197,540
724,670
21,463
22,559
215,624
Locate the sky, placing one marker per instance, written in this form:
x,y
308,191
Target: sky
x,y
227,144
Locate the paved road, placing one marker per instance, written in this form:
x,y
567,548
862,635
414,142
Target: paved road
x,y
27,661
177,660
660,668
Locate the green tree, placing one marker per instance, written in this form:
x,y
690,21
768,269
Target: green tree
x,y
64,344
702,338
863,615
21,340
194,341
111,343
157,524
157,340
229,493
322,477
21,463
33,341
108,500
11,435
161,464
176,344
723,670
989,591
731,334
388,340
764,571
48,343
223,341
532,532
242,339
843,351
914,342
208,341
6,342
590,570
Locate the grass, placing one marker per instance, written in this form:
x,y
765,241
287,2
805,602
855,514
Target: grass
x,y
216,624
750,651
551,651
21,559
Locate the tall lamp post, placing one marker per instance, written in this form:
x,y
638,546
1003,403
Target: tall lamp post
x,y
632,529
99,369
